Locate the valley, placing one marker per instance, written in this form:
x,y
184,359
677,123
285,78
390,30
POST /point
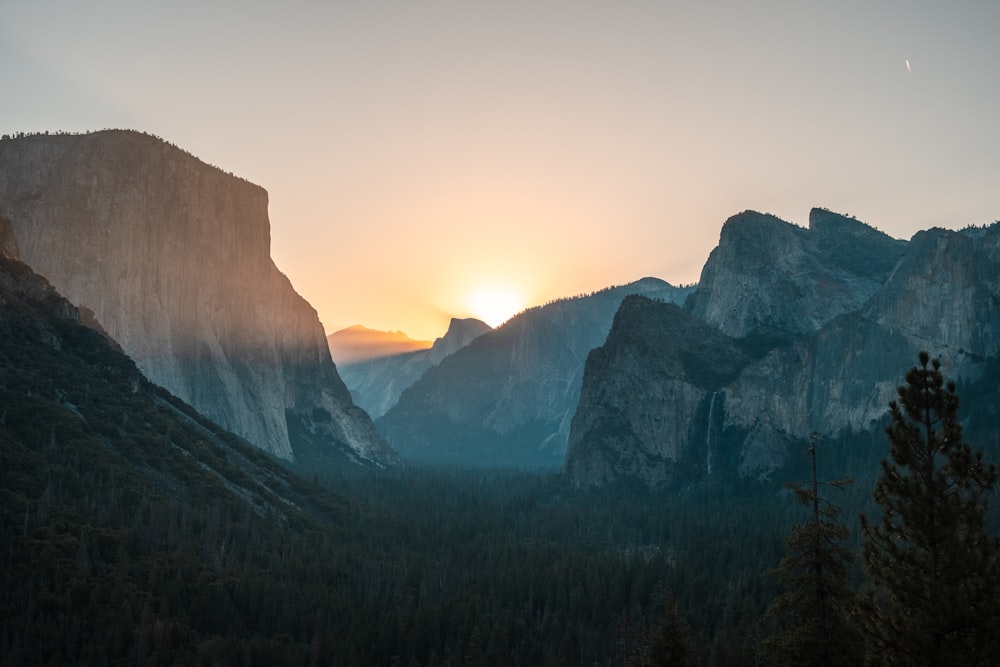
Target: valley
x,y
188,477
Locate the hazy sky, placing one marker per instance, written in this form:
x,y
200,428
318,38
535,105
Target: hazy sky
x,y
420,153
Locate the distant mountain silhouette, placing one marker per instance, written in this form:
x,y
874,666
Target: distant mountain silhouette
x,y
359,343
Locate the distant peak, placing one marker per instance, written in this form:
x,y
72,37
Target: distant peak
x,y
461,332
823,219
750,221
650,283
362,329
756,232
825,222
465,323
359,343
751,216
463,329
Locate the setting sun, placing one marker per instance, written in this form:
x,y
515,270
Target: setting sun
x,y
495,305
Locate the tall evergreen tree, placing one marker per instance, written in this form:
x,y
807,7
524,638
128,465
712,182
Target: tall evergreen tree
x,y
814,610
934,590
670,644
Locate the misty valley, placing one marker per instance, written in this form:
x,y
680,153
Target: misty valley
x,y
790,462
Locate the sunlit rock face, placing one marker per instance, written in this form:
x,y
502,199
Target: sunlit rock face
x,y
507,399
816,342
377,383
173,257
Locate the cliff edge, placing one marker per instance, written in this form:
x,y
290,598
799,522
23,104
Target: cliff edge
x,y
173,257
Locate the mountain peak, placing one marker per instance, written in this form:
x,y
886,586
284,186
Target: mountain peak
x,y
750,221
459,325
359,343
826,223
771,277
461,332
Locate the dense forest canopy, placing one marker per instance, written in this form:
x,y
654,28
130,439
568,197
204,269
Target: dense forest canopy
x,y
132,531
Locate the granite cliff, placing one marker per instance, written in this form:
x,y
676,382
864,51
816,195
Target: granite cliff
x,y
769,277
647,394
507,398
72,398
826,324
173,258
377,383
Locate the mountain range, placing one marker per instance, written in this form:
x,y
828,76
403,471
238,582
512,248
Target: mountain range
x,y
508,397
788,332
791,331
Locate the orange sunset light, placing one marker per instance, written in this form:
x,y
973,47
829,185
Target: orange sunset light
x,y
425,161
495,304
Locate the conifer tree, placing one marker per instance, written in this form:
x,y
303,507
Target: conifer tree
x,y
933,595
670,643
814,609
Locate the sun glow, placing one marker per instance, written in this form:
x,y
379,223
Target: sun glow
x,y
495,305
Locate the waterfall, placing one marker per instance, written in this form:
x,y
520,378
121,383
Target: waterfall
x,y
708,435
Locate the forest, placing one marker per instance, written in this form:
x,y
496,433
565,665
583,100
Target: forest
x,y
414,567
410,566
134,532
426,567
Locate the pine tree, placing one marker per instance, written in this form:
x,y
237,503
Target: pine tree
x,y
670,643
814,610
934,591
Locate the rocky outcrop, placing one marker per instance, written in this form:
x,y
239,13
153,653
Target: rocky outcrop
x,y
807,367
649,397
508,397
173,257
944,292
769,277
377,383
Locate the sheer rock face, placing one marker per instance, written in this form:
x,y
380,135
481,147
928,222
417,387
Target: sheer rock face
x,y
647,397
813,359
376,384
508,397
173,257
768,276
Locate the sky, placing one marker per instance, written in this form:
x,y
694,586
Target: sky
x,y
423,156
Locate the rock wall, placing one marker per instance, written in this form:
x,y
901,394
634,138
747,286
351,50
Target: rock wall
x,y
648,401
770,277
173,257
828,321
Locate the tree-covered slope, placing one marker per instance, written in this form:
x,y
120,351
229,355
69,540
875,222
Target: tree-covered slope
x,y
130,524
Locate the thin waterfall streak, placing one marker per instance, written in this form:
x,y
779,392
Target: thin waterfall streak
x,y
708,434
